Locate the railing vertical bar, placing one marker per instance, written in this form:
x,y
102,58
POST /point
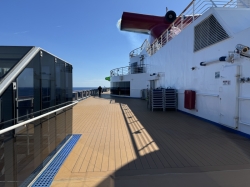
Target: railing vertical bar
x,y
213,3
182,22
193,9
28,139
244,3
161,41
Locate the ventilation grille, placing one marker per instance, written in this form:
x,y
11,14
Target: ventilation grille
x,y
208,32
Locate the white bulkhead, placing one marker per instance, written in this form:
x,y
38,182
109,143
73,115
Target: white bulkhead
x,y
223,88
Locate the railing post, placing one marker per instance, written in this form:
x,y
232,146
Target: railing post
x,y
167,36
246,6
193,9
161,41
182,22
213,3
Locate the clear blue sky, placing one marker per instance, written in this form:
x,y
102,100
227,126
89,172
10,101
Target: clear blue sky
x,y
81,32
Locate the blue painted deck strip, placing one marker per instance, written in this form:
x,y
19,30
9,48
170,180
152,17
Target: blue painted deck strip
x,y
46,178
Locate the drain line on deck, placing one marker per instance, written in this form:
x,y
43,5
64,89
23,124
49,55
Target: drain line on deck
x,y
50,170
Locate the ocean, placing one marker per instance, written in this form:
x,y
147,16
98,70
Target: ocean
x,y
83,88
29,92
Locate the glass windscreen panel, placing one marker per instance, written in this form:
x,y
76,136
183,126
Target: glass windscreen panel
x,y
9,57
26,150
120,88
48,83
25,94
60,82
68,69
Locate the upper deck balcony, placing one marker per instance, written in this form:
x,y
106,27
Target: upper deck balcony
x,y
193,11
127,70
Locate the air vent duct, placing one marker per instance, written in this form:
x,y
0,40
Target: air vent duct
x,y
207,33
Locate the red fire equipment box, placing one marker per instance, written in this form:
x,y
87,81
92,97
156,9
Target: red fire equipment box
x,y
189,99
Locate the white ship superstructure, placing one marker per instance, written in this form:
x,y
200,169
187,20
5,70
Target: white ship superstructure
x,y
206,50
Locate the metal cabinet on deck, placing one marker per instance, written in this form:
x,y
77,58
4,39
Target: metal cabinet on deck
x,y
157,100
170,98
162,99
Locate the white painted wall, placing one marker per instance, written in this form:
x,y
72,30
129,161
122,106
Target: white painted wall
x,y
137,82
135,59
177,58
235,20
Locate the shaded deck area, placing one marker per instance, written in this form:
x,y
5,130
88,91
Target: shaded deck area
x,y
125,144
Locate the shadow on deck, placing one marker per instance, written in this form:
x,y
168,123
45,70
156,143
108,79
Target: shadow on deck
x,y
125,144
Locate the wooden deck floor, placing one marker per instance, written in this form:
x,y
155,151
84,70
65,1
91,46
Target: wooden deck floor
x,y
122,140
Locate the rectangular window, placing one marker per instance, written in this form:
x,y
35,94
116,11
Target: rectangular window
x,y
120,88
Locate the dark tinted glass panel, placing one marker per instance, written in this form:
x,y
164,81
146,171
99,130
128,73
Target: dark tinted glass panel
x,y
26,152
37,83
120,88
26,148
25,83
25,94
28,91
9,57
68,82
7,107
48,80
60,82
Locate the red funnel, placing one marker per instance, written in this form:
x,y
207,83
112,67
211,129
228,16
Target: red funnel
x,y
146,24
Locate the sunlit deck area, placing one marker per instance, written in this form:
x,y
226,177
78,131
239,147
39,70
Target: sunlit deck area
x,y
125,144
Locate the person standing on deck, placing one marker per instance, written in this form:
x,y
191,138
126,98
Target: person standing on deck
x,y
99,90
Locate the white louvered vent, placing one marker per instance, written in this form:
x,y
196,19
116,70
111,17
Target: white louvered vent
x,y
208,32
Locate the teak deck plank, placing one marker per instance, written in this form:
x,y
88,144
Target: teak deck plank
x,y
121,137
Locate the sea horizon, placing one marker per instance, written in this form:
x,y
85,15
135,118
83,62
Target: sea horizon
x,y
84,88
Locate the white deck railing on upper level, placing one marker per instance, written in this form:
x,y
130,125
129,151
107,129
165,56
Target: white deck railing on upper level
x,y
129,70
138,50
193,11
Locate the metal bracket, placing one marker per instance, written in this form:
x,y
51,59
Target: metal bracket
x,y
14,85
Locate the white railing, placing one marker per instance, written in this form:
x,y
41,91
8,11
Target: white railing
x,y
77,95
83,94
138,50
129,70
193,11
34,119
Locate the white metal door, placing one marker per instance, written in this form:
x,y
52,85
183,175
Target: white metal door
x,y
229,96
152,84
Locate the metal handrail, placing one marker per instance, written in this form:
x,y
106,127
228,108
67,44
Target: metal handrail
x,y
193,11
129,70
87,93
6,81
34,119
138,50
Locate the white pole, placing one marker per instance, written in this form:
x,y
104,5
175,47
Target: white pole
x,y
193,9
161,41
